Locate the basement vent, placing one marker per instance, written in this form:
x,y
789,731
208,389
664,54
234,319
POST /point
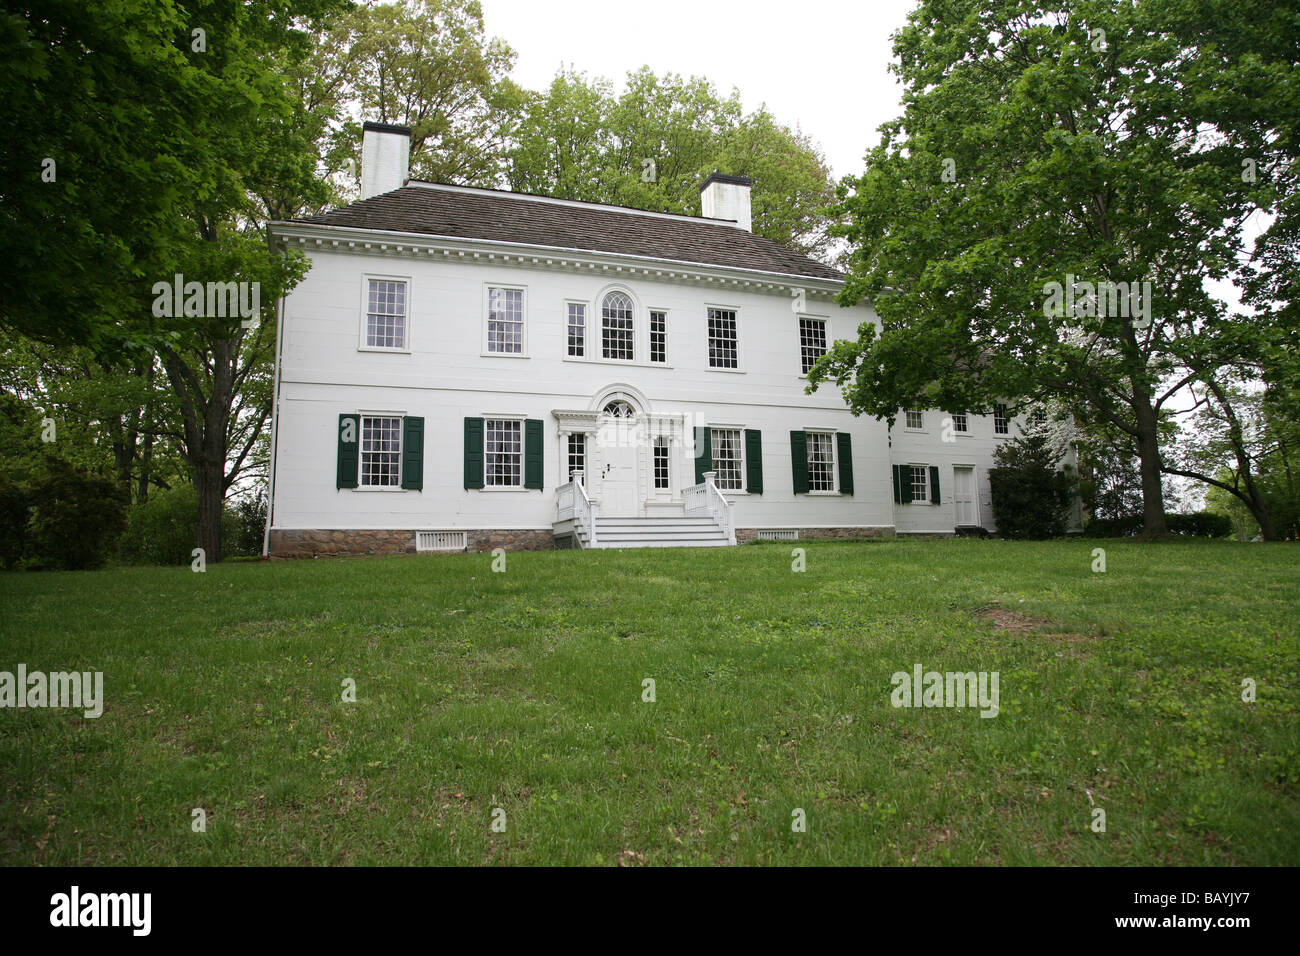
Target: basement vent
x,y
441,541
776,535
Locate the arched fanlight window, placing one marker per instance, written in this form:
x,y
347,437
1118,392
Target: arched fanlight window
x,y
616,326
618,409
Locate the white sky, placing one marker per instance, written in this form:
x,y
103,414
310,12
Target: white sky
x,y
821,66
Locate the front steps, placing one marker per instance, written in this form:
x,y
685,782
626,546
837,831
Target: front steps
x,y
666,532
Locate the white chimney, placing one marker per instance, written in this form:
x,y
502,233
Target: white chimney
x,y
727,197
385,158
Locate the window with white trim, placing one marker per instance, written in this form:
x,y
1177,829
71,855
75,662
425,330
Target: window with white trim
x,y
821,461
728,459
505,326
959,422
724,351
812,342
915,420
661,464
386,314
1000,419
658,337
381,451
577,452
503,455
577,328
920,483
616,327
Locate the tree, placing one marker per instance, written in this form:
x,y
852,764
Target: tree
x,y
652,146
1049,156
426,64
114,112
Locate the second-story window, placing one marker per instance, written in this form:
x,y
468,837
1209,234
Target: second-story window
x,y
505,321
1000,419
658,337
723,347
386,314
812,342
959,422
616,327
915,419
577,328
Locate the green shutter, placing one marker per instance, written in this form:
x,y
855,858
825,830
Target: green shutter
x,y
349,437
898,484
753,461
905,473
799,461
533,457
703,453
844,452
412,453
934,484
473,453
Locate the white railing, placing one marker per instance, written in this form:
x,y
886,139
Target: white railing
x,y
705,498
584,512
564,496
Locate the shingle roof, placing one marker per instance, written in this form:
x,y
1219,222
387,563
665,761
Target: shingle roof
x,y
510,217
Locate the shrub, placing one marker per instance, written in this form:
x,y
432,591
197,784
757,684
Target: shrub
x,y
165,529
1203,524
1124,527
250,525
76,519
15,511
1031,497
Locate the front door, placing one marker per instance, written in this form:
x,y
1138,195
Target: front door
x,y
616,461
963,496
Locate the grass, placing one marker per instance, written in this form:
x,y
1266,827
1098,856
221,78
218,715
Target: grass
x,y
523,690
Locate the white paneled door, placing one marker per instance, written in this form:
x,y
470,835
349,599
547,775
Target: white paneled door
x,y
963,496
616,464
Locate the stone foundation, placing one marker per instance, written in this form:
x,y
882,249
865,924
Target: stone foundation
x,y
512,540
317,543
751,534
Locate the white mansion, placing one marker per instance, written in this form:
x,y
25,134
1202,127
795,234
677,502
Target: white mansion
x,y
469,368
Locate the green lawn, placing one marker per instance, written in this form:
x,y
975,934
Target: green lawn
x,y
523,690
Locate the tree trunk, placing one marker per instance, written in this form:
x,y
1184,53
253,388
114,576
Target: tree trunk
x,y
1148,448
209,481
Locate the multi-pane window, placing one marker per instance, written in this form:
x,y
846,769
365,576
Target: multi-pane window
x,y
821,461
999,419
577,328
727,460
616,327
812,342
658,337
661,464
920,483
915,420
506,321
577,453
723,351
502,453
381,451
959,422
386,314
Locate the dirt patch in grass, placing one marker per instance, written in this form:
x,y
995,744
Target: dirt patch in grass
x,y
1018,623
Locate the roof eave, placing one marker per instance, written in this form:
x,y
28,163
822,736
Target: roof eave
x,y
295,228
